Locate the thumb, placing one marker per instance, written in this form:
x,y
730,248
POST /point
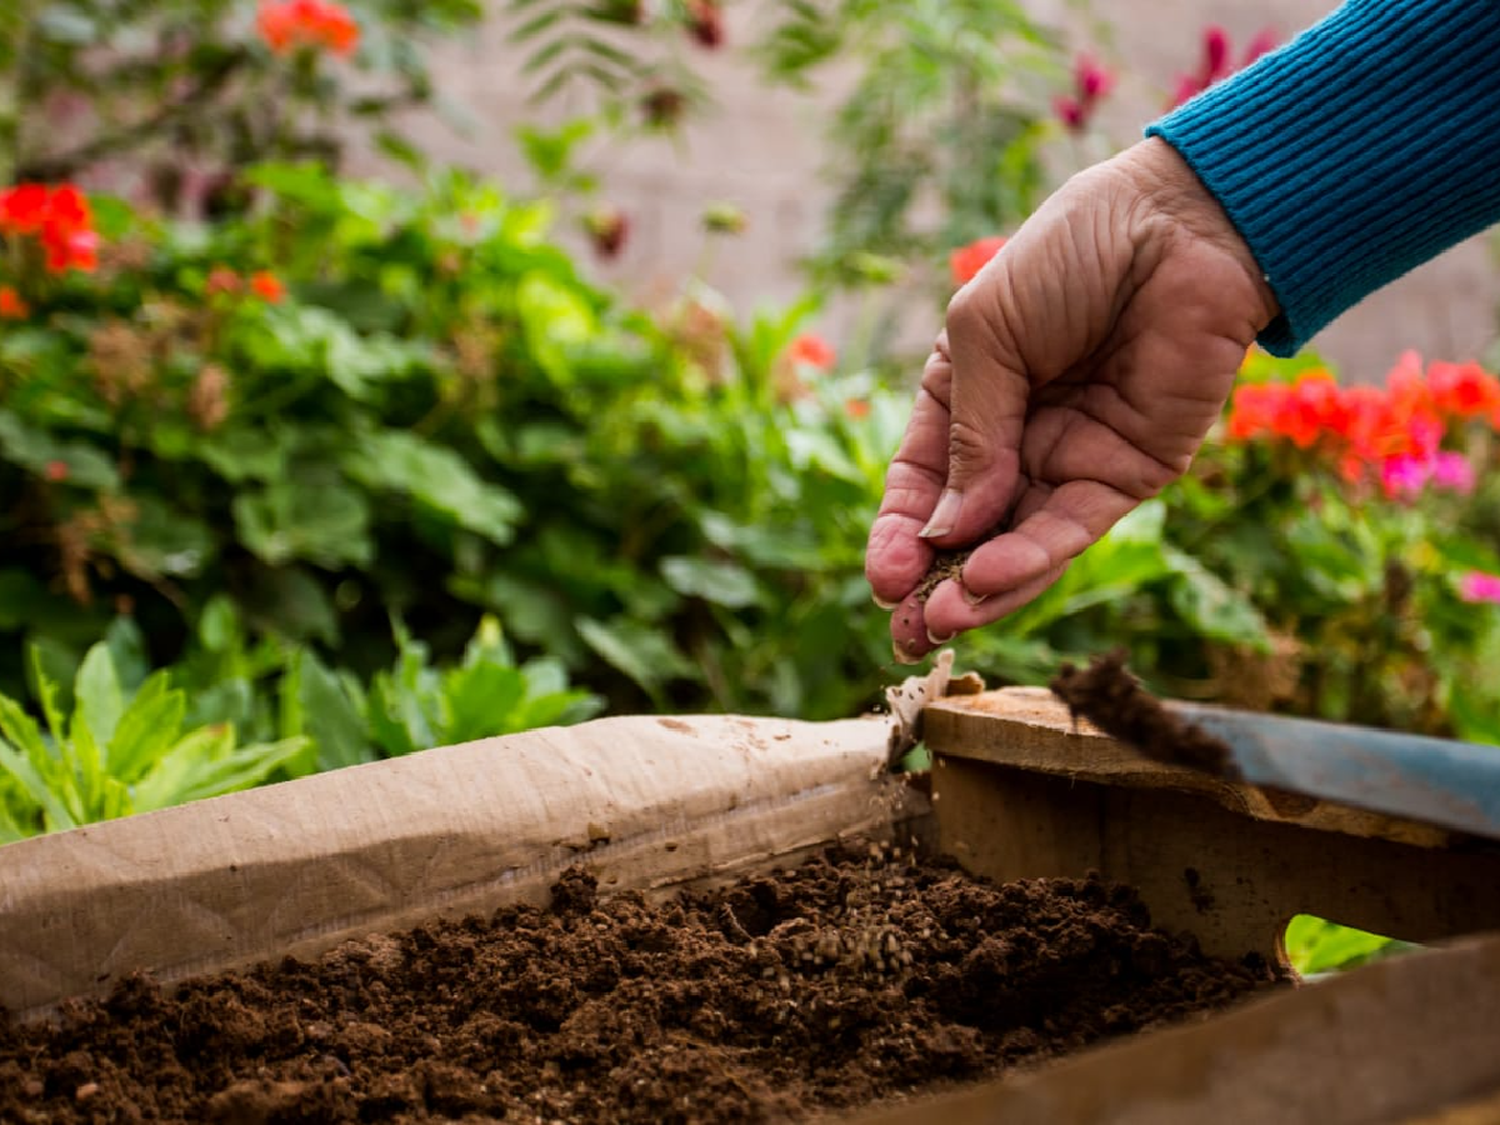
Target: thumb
x,y
986,415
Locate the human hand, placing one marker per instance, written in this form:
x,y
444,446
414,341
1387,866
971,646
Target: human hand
x,y
1076,377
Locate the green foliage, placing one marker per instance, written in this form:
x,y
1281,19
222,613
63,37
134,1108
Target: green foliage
x,y
944,110
1354,594
118,751
1315,946
189,86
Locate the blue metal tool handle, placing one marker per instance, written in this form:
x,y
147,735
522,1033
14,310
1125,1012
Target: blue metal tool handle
x,y
1435,780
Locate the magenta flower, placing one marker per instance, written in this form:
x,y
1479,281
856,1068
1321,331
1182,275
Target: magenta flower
x,y
1453,472
1477,586
1404,476
1091,82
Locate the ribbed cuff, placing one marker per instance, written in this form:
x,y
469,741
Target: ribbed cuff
x,y
1358,151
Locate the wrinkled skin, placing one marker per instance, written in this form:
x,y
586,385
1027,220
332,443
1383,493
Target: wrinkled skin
x,y
1076,377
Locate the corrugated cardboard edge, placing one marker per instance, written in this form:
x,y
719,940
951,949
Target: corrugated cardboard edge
x,y
644,802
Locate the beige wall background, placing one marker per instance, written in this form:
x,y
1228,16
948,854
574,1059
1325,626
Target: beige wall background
x,y
765,151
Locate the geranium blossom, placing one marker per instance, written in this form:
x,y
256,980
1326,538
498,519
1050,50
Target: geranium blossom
x,y
812,350
12,305
268,287
1477,586
1091,82
58,217
288,24
968,260
1391,434
1454,472
1215,64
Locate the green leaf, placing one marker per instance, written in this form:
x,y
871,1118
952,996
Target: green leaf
x,y
329,716
97,695
19,593
24,756
319,520
127,652
34,449
203,764
1212,607
644,654
1317,946
723,583
146,730
171,776
438,479
481,700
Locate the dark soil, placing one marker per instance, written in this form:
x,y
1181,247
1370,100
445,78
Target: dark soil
x,y
945,564
861,976
1107,695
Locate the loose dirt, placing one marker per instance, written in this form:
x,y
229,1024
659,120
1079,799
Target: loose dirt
x,y
1109,696
863,975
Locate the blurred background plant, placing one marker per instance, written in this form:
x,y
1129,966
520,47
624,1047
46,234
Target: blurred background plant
x,y
319,468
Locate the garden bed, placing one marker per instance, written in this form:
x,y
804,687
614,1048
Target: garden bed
x,y
862,975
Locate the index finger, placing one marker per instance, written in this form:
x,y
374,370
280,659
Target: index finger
x,y
896,558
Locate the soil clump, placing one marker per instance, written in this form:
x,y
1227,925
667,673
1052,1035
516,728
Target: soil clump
x,y
865,974
1109,696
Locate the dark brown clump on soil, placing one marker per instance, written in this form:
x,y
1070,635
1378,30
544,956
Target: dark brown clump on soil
x,y
859,976
1107,695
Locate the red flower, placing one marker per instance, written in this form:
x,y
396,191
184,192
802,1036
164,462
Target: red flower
x,y
857,408
289,24
268,287
57,471
71,249
968,260
12,306
1463,390
59,217
23,209
812,350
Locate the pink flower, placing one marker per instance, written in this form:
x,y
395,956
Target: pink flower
x,y
1090,83
1453,472
1090,79
1403,476
1262,44
1215,55
1477,586
1069,111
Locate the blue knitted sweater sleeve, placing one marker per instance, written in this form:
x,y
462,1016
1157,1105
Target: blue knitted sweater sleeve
x,y
1367,145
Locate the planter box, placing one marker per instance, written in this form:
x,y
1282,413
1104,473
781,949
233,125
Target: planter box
x,y
663,804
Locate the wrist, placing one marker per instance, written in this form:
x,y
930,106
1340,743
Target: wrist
x,y
1171,195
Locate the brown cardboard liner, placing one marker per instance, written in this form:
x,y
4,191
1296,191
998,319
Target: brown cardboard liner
x,y
646,802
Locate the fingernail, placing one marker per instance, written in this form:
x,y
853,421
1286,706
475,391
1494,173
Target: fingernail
x,y
945,515
883,604
972,598
933,639
902,656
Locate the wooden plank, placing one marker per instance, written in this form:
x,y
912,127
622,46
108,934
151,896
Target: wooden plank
x,y
1030,729
1022,792
1398,1041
